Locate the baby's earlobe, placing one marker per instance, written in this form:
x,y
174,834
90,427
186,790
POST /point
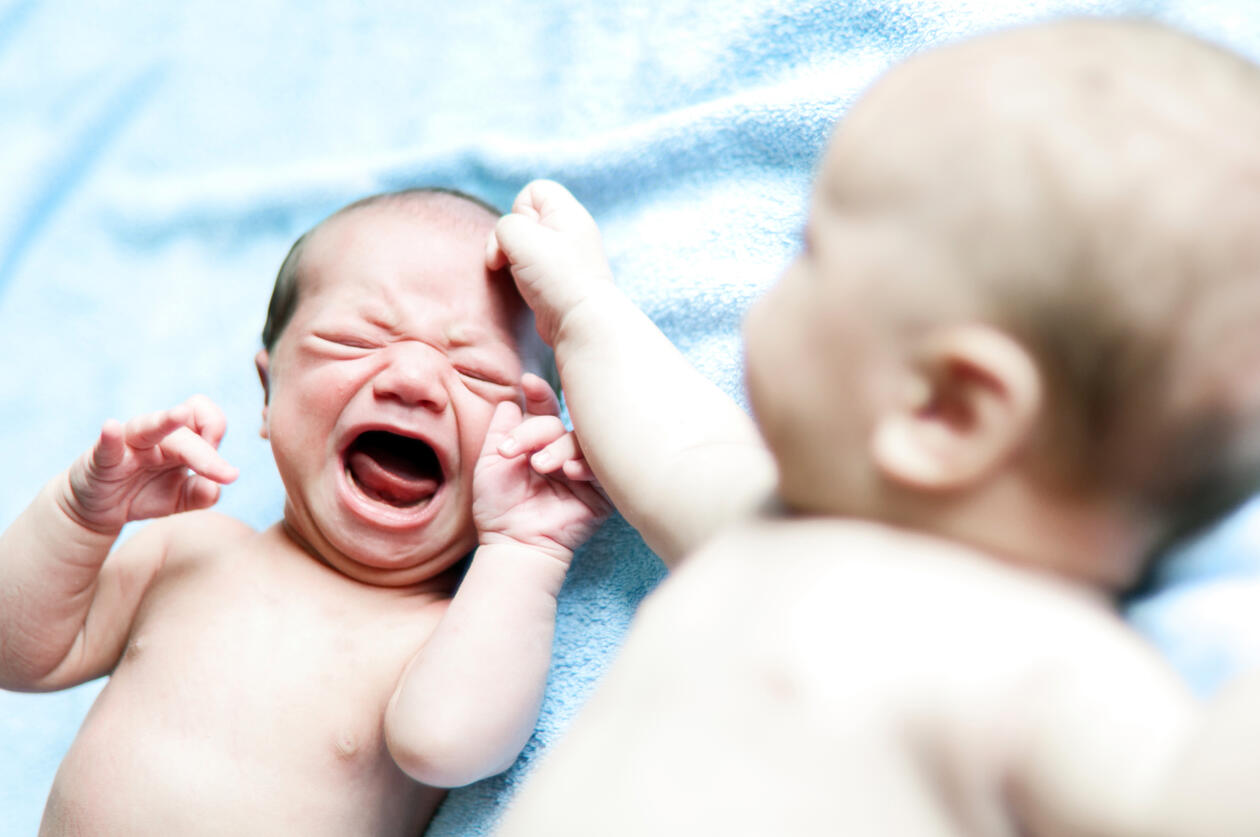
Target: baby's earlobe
x,y
262,362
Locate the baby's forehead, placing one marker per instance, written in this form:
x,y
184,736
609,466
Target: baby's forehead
x,y
381,257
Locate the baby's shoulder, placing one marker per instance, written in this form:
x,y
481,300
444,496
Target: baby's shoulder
x,y
189,535
878,599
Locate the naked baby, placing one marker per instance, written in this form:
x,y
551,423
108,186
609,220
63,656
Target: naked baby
x,y
1015,355
321,676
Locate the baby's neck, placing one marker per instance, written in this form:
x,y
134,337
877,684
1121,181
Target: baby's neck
x,y
1094,541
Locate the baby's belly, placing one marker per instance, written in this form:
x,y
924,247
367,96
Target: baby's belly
x,y
261,722
131,773
155,785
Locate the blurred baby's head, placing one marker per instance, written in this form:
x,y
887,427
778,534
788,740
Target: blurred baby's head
x,y
1039,249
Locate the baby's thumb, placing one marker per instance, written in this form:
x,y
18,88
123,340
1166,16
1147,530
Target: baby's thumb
x,y
507,415
518,242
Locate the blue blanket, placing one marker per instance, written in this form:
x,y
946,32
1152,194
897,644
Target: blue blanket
x,y
158,159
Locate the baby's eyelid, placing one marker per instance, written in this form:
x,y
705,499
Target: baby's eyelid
x,y
347,340
485,376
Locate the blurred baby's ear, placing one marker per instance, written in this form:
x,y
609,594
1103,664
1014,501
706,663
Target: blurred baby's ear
x,y
970,403
262,361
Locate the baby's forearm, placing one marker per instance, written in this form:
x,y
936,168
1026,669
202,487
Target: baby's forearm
x,y
49,564
677,456
469,700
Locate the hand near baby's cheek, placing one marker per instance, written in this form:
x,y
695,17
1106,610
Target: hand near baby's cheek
x,y
535,504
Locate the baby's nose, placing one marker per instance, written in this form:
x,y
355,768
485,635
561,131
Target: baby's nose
x,y
414,374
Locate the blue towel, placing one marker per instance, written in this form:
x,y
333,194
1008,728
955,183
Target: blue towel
x,y
156,161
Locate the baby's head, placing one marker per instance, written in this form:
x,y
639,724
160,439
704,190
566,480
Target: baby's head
x,y
387,346
1027,311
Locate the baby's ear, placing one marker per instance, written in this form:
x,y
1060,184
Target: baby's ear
x,y
262,361
970,403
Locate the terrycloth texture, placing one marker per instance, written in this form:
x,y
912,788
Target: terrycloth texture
x,y
158,159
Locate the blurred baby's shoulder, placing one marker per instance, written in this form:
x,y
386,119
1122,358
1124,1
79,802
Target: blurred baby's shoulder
x,y
847,588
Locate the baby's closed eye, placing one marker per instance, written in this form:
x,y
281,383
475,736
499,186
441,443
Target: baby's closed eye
x,y
344,343
485,376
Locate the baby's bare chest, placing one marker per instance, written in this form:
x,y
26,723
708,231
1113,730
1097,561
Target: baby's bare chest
x,y
287,637
256,673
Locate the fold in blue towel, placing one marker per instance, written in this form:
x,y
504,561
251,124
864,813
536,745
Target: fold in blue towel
x,y
158,163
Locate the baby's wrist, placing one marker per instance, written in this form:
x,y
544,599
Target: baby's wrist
x,y
587,318
545,561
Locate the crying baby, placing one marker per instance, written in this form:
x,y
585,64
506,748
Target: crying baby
x,y
321,676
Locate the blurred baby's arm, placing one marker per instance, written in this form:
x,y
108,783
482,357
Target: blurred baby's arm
x,y
64,609
1213,790
678,457
1125,750
469,700
1102,743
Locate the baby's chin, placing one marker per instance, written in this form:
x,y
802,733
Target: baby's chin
x,y
386,557
391,560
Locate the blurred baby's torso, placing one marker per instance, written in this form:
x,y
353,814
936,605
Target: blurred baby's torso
x,y
833,677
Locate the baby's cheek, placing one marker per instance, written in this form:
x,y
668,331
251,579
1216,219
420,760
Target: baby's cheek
x,y
474,421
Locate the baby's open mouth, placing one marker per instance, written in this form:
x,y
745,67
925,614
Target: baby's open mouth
x,y
393,469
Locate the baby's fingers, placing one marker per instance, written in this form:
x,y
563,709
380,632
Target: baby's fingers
x,y
551,204
578,471
198,493
198,455
143,432
532,434
208,420
540,398
555,455
553,448
111,446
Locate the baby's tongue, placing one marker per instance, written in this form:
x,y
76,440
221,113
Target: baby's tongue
x,y
386,470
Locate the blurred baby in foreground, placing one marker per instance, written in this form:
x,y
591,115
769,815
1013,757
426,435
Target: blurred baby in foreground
x,y
1016,356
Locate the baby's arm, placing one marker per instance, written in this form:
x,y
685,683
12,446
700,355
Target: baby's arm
x,y
1115,744
678,457
1099,743
469,700
1213,790
63,616
1123,749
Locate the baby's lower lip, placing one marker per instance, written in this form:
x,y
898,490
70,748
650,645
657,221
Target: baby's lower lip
x,y
381,514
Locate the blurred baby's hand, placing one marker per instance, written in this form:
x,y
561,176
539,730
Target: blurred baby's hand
x,y
152,466
553,247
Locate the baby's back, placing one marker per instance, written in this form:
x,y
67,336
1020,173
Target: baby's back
x,y
828,677
249,700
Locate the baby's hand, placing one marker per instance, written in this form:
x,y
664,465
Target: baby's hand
x,y
552,245
152,466
531,485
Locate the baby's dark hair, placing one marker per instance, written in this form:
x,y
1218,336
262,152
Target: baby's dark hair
x,y
284,295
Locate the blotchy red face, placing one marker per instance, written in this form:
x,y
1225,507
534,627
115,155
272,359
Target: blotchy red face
x,y
381,389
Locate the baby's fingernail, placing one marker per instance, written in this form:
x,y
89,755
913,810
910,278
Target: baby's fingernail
x,y
508,447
